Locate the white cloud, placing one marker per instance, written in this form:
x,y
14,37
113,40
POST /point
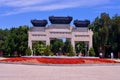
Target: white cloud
x,y
22,3
22,6
110,7
107,9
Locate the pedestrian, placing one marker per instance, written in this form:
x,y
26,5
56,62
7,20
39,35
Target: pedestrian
x,y
112,55
100,55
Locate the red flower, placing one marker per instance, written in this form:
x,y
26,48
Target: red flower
x,y
61,60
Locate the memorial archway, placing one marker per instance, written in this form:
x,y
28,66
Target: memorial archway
x,y
60,28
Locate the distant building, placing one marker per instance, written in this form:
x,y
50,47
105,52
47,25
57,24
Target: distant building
x,y
60,28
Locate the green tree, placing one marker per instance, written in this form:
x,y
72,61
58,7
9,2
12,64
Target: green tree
x,y
38,48
100,28
80,47
71,51
68,49
56,45
16,40
47,51
91,52
28,51
115,34
1,39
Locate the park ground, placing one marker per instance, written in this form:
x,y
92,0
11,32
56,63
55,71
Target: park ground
x,y
59,72
45,72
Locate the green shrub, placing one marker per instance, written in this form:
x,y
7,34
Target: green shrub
x,y
47,51
71,54
28,51
71,51
91,52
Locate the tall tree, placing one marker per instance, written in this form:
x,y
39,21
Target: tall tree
x,y
80,47
68,48
100,28
57,45
16,40
39,48
115,34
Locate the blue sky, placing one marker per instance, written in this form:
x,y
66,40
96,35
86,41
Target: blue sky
x,y
14,13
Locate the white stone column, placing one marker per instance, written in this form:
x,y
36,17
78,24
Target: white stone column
x,y
73,45
30,42
91,40
47,37
48,41
90,44
30,46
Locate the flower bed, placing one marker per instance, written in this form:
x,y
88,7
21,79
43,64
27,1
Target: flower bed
x,y
45,60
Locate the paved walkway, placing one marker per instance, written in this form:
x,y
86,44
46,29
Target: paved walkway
x,y
38,72
1,58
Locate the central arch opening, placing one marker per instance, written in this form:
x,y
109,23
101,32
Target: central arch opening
x,y
58,46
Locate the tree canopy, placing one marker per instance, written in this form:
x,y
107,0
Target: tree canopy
x,y
14,40
106,36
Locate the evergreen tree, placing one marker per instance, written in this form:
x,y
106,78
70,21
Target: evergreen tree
x,y
47,51
68,49
56,45
38,48
91,52
28,51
